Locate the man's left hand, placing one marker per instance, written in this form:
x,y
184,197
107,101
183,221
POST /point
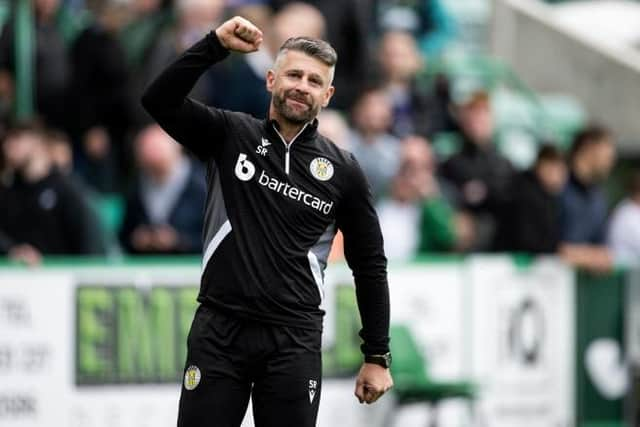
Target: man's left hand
x,y
372,382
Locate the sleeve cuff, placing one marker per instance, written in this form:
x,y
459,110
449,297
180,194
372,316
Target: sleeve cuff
x,y
217,50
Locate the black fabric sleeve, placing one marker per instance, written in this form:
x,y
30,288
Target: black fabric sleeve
x,y
364,252
189,122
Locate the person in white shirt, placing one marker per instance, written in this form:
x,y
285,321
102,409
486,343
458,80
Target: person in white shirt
x,y
623,237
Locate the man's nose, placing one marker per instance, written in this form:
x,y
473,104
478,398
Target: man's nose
x,y
302,86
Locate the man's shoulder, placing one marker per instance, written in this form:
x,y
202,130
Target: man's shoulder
x,y
331,149
240,121
239,117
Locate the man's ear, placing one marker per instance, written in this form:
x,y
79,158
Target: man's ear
x,y
327,96
271,78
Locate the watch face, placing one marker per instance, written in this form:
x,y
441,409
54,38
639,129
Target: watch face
x,y
387,359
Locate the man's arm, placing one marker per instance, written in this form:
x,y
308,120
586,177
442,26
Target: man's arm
x,y
364,252
186,120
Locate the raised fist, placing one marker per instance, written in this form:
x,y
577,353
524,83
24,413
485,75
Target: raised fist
x,y
239,35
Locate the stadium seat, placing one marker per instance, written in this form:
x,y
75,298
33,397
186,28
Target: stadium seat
x,y
110,210
411,377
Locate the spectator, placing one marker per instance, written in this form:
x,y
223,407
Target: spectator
x,y
52,72
97,102
332,124
624,229
59,150
61,154
163,214
415,110
427,20
478,171
376,150
583,214
584,204
530,220
43,213
416,218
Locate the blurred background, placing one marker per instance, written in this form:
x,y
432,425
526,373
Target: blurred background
x,y
501,141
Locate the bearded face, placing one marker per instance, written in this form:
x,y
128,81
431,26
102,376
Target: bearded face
x,y
300,86
295,106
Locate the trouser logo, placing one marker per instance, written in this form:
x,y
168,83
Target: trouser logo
x,y
313,386
192,377
244,168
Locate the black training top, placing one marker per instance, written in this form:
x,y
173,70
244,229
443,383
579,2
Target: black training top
x,y
273,209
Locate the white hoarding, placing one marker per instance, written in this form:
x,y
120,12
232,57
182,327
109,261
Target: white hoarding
x,y
103,346
523,342
35,351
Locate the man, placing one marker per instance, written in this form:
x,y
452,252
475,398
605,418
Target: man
x,y
277,192
529,221
479,171
48,48
163,213
416,109
348,29
623,234
583,213
584,203
377,151
43,212
239,83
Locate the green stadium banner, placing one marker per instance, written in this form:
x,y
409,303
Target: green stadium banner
x,y
600,370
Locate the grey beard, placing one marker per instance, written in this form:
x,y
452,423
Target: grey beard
x,y
290,114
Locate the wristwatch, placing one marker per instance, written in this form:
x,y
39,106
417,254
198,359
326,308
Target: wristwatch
x,y
383,360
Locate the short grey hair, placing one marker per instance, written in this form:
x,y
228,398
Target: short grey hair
x,y
313,47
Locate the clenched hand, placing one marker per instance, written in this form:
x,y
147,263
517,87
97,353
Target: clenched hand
x,y
372,382
240,35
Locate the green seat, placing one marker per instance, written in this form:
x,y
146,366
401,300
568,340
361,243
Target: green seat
x,y
110,209
411,376
446,144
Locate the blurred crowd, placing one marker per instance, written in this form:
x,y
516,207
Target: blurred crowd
x,y
91,140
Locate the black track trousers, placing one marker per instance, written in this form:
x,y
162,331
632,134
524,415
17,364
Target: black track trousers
x,y
278,366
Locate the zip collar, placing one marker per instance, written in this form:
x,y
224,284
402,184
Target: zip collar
x,y
308,131
289,144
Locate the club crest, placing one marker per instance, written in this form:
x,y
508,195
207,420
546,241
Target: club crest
x,y
321,169
192,377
